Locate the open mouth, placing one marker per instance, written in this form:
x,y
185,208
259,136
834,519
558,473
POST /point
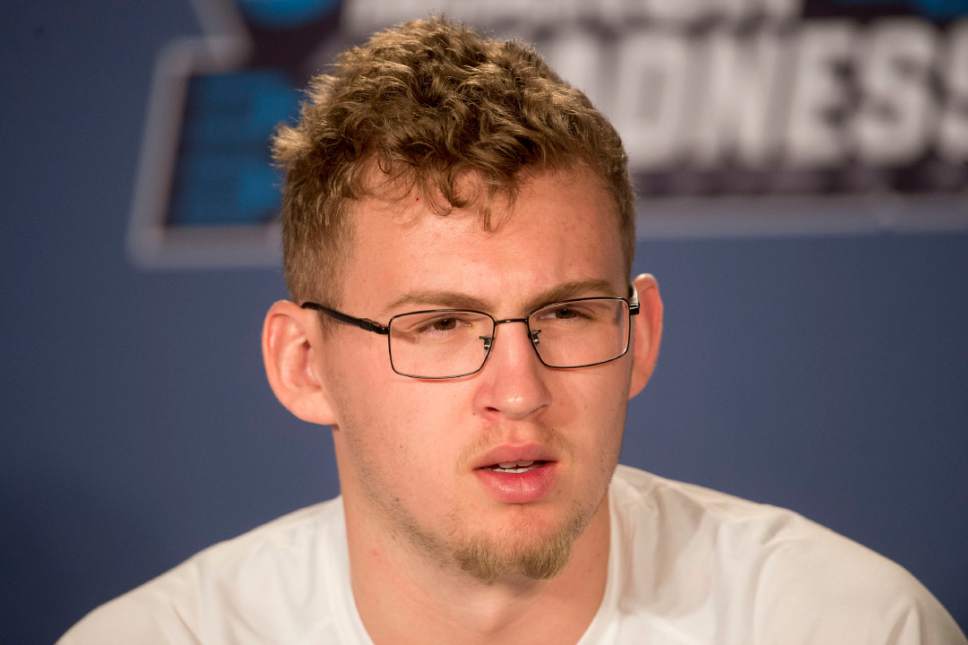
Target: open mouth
x,y
516,467
520,478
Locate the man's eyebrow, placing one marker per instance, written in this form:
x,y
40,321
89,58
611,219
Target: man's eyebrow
x,y
458,300
573,289
430,298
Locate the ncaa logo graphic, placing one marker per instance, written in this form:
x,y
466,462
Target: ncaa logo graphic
x,y
206,193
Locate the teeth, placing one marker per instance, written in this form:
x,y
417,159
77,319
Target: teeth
x,y
516,464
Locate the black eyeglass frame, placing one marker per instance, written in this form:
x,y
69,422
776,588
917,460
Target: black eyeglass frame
x,y
632,302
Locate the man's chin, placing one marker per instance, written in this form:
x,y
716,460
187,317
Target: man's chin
x,y
527,550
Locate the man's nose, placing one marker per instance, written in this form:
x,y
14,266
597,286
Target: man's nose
x,y
513,380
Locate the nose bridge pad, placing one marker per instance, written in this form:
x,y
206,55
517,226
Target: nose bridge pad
x,y
533,334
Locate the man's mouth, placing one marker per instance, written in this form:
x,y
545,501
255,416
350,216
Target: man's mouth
x,y
514,458
518,480
519,473
515,467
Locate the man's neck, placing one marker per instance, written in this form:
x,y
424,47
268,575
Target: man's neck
x,y
403,597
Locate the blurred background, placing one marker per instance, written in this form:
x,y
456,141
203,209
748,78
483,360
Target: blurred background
x,y
802,167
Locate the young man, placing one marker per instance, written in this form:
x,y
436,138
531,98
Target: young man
x,y
458,239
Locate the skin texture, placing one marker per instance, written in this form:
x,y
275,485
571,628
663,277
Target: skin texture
x,y
407,449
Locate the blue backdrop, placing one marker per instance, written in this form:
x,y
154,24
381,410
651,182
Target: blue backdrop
x,y
826,374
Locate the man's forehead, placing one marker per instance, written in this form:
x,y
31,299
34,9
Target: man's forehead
x,y
558,238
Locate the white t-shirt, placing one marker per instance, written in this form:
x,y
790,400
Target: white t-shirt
x,y
687,565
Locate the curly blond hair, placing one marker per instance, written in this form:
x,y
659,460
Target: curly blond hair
x,y
428,103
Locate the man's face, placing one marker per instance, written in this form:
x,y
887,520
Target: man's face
x,y
415,456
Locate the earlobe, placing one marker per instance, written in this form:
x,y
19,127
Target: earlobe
x,y
291,343
646,331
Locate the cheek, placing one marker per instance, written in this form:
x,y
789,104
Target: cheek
x,y
594,402
406,437
598,394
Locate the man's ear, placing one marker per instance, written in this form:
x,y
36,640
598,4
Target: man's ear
x,y
291,346
646,332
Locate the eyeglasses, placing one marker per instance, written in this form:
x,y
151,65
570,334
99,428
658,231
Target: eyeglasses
x,y
451,343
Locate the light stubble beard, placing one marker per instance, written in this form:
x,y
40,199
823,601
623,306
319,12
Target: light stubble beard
x,y
488,558
515,553
544,558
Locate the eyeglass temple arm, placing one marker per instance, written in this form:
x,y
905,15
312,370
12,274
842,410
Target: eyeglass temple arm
x,y
633,300
362,323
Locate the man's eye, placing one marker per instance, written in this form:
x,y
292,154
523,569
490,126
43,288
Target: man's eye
x,y
564,313
439,325
575,313
444,324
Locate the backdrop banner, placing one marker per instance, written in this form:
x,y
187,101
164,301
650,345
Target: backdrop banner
x,y
739,116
